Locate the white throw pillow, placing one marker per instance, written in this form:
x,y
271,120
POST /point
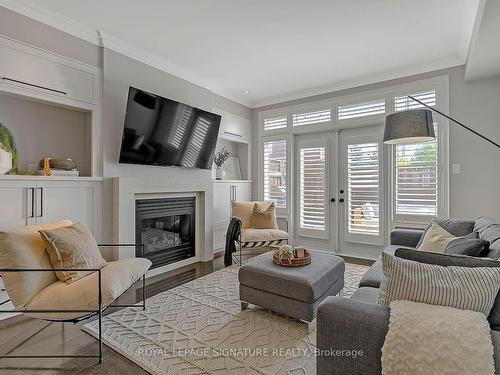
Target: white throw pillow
x,y
436,239
466,288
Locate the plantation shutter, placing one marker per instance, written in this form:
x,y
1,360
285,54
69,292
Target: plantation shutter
x,y
416,169
313,187
275,172
363,184
309,118
375,107
275,123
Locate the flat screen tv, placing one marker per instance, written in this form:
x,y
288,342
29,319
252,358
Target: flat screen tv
x,y
161,131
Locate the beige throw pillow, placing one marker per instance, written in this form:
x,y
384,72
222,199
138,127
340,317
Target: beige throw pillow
x,y
72,247
243,210
436,239
264,216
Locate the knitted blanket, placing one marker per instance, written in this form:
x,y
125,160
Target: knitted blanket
x,y
428,339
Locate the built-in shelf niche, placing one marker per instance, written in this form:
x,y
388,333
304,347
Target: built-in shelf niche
x,y
43,130
239,150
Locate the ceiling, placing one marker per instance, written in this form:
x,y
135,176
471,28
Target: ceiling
x,y
280,49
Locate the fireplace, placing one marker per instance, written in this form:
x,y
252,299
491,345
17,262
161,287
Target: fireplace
x,y
166,227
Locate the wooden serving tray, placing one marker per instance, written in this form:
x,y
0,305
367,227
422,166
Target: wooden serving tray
x,y
295,262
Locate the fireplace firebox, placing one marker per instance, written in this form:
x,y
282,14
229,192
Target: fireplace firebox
x,y
166,227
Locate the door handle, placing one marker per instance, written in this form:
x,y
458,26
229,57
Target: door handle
x,y
41,202
341,191
332,200
341,200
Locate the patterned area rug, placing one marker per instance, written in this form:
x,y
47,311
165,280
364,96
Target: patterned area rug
x,y
199,328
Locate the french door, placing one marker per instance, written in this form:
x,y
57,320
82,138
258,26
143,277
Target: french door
x,y
339,191
314,208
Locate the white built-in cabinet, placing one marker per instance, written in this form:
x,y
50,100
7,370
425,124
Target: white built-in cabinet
x,y
224,193
29,71
36,201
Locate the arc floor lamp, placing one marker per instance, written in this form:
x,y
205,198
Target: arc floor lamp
x,y
416,126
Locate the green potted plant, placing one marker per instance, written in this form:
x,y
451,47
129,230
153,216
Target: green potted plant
x,y
8,151
219,161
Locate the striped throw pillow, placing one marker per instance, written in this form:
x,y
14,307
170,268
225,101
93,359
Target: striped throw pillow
x,y
460,287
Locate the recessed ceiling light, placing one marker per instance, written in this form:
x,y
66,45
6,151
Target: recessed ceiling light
x,y
246,91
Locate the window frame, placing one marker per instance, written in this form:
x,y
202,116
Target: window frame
x,y
443,210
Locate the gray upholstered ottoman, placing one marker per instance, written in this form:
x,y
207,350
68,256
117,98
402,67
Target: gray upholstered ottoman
x,y
293,291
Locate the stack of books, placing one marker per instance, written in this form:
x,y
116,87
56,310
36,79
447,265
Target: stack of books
x,y
60,172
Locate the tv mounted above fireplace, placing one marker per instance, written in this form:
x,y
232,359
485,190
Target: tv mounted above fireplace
x,y
161,131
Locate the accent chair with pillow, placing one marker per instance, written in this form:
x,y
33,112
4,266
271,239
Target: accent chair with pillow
x,y
253,226
55,272
362,321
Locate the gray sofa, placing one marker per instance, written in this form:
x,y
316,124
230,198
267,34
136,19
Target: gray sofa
x,y
360,324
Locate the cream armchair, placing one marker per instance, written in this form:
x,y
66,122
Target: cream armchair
x,y
243,233
35,290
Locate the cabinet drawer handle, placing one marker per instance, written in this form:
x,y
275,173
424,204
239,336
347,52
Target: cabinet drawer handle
x,y
41,202
33,85
32,215
234,134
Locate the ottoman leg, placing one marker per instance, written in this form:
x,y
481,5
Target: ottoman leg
x,y
244,305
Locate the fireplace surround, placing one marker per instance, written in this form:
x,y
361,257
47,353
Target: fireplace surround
x,y
127,190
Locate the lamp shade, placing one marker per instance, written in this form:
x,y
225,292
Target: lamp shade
x,y
412,126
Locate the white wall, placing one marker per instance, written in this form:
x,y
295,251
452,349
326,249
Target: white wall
x,y
476,191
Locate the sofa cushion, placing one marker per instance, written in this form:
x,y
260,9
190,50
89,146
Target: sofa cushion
x,y
83,294
373,277
305,284
243,210
258,235
366,294
460,261
435,239
264,216
455,227
437,285
72,247
470,245
24,248
489,230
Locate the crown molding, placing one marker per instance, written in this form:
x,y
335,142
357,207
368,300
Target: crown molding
x,y
449,62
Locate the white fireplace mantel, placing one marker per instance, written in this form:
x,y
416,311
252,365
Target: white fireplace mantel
x,y
127,189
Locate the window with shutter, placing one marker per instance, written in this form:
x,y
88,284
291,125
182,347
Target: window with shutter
x,y
374,107
275,172
309,118
416,180
363,181
275,123
312,188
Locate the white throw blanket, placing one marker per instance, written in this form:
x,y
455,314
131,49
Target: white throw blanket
x,y
426,340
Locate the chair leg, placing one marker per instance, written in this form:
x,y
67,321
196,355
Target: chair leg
x,y
144,292
100,336
244,305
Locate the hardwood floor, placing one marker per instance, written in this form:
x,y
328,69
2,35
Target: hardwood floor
x,y
21,335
